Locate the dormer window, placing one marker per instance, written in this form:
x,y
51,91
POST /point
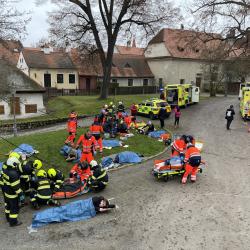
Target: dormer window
x,y
127,65
180,48
197,50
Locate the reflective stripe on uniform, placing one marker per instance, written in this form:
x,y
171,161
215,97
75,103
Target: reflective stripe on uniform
x,y
11,196
13,216
13,184
43,187
44,197
7,211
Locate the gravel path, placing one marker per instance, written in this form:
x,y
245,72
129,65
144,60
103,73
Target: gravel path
x,y
213,213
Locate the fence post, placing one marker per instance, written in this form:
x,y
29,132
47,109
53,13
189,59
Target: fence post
x,y
62,92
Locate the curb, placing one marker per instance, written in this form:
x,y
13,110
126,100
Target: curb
x,y
148,159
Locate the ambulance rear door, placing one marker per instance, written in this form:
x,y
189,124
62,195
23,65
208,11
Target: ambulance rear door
x,y
195,94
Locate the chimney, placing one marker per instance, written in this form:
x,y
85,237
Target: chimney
x,y
134,43
129,43
182,26
47,49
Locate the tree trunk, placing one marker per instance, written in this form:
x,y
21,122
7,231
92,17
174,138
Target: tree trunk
x,y
225,88
106,80
212,89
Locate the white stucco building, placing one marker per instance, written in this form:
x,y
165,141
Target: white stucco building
x,y
19,94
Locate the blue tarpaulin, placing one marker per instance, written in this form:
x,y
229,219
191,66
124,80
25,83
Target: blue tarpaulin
x,y
73,211
111,143
25,149
106,162
1,165
157,134
127,157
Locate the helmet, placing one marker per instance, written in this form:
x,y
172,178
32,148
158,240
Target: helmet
x,y
111,103
149,122
37,164
15,154
41,173
120,103
13,162
93,163
105,106
52,172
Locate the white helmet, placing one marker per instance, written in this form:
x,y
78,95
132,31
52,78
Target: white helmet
x,y
93,163
13,162
105,106
120,103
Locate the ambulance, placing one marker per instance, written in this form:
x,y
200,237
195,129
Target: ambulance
x,y
243,85
245,102
182,94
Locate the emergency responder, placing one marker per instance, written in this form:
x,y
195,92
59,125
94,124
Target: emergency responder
x,y
162,115
179,146
133,110
42,193
89,145
120,107
192,162
80,171
122,127
27,171
12,192
99,179
229,116
149,126
72,128
96,129
56,177
111,108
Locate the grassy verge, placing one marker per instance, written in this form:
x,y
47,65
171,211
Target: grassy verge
x,y
49,144
59,107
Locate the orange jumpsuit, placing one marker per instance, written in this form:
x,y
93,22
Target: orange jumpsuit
x,y
88,145
71,127
84,174
191,153
178,147
96,130
128,121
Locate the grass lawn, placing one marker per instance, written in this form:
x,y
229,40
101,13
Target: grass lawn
x,y
49,144
59,107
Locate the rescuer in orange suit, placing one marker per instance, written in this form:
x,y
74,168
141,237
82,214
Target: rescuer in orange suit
x,y
71,127
192,162
89,145
179,146
96,129
81,170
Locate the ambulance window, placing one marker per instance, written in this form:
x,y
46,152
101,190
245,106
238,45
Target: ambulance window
x,y
149,104
161,103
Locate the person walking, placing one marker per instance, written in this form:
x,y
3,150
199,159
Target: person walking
x,y
229,116
177,114
162,115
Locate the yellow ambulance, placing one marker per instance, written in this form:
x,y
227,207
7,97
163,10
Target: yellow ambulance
x,y
245,102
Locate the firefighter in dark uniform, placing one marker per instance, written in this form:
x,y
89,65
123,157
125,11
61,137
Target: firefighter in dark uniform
x,y
27,171
56,177
99,180
10,182
42,194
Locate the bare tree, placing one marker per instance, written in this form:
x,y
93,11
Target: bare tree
x,y
105,21
12,21
228,17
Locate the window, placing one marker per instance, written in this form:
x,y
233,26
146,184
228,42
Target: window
x,y
15,103
30,108
72,78
182,81
130,82
114,80
1,110
149,104
59,78
145,82
35,75
180,48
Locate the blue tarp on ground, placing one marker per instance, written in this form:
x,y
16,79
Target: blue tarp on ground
x,y
66,149
73,211
111,143
157,134
1,165
106,162
127,157
25,149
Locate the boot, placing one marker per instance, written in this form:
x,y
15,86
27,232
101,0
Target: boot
x,y
18,223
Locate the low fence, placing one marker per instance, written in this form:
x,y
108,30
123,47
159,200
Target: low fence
x,y
53,92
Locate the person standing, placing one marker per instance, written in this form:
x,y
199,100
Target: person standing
x,y
177,114
229,116
162,115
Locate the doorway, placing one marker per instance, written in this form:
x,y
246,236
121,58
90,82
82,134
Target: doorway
x,y
88,84
47,80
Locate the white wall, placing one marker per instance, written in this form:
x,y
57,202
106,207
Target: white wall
x,y
172,70
123,82
156,50
29,98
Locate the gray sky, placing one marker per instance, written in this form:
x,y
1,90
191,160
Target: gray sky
x,y
38,27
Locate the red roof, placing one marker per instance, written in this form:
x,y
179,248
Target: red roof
x,y
186,43
9,50
125,50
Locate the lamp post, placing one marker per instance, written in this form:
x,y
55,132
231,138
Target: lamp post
x,y
14,112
